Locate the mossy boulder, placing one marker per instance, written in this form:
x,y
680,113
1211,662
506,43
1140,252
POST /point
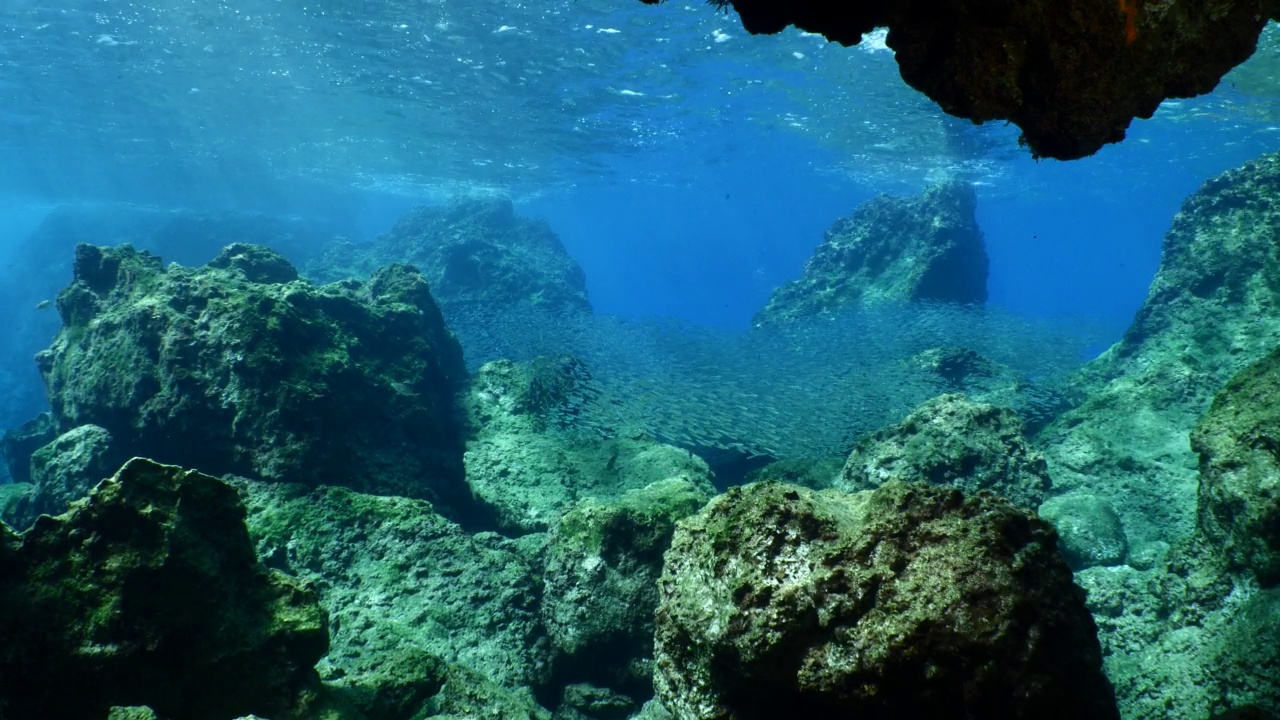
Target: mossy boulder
x,y
18,505
18,444
240,367
603,564
951,440
149,593
399,580
527,469
905,601
1090,532
1239,445
476,253
1247,658
899,250
67,468
1213,309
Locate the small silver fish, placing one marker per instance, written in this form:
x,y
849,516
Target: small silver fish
x,y
44,304
403,389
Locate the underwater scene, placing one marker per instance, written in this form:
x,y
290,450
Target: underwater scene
x,y
639,360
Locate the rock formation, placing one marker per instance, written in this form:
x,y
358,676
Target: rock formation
x,y
1212,310
905,601
955,442
1239,446
927,247
149,593
240,367
526,474
475,254
1071,75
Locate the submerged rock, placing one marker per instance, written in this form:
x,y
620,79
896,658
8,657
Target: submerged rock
x,y
603,564
1239,445
17,445
41,263
149,593
401,582
476,253
1071,75
927,247
1090,533
1245,656
527,472
67,468
239,368
952,441
906,601
1213,309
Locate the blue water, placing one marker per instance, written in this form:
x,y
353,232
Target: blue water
x,y
689,168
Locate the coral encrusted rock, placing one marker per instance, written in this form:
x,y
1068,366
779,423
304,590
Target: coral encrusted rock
x,y
1239,445
953,441
1213,309
475,253
149,593
240,367
926,247
906,601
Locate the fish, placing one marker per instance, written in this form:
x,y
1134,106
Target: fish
x,y
44,304
403,389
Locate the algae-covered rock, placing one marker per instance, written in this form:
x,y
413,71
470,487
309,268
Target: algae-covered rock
x,y
474,252
18,505
813,473
467,694
1212,310
962,370
38,266
149,593
905,601
1239,445
603,565
953,441
18,444
237,368
397,578
527,474
1246,657
927,247
1090,533
67,468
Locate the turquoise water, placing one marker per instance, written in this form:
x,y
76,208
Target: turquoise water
x,y
688,166
690,170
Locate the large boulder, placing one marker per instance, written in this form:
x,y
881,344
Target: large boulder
x,y
1239,445
476,253
927,247
906,601
240,367
40,264
407,590
952,441
149,593
1213,310
68,467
